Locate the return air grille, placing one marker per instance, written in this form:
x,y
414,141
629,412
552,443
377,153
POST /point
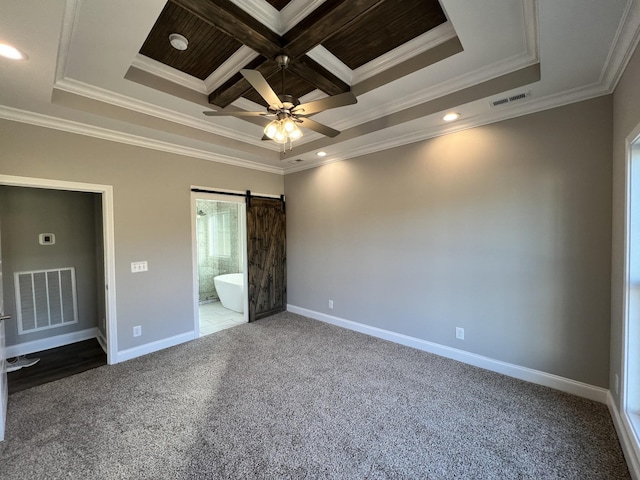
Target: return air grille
x,y
45,299
512,98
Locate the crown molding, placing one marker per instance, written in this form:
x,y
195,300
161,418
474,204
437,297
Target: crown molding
x,y
493,116
96,93
71,13
622,47
174,75
70,126
448,87
530,18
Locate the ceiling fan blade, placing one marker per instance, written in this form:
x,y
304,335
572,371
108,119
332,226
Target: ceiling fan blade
x,y
334,101
318,127
258,82
237,113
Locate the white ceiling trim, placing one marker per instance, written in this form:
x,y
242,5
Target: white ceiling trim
x,y
495,115
244,55
270,17
406,51
263,12
230,67
481,75
295,11
628,36
71,13
329,61
174,75
532,38
90,91
70,126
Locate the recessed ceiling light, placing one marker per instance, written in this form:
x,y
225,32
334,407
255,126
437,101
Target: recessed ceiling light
x,y
322,154
9,51
178,41
450,117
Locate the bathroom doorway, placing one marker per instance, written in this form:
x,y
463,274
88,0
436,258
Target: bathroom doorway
x,y
220,262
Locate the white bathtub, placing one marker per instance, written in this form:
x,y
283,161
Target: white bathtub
x,y
230,288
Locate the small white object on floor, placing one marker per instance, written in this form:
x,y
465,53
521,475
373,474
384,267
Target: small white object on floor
x,y
20,362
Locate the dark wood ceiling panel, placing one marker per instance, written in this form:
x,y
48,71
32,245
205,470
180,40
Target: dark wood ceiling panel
x,y
279,4
208,47
355,31
392,24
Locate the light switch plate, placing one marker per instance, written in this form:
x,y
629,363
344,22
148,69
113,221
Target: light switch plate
x,y
137,267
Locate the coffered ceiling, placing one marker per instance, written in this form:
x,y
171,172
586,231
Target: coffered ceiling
x,y
107,69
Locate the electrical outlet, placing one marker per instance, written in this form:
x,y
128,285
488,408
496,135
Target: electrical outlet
x,y
617,384
137,331
331,304
460,333
139,267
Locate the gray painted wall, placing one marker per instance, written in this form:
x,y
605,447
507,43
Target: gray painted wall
x,y
503,230
152,215
626,116
27,212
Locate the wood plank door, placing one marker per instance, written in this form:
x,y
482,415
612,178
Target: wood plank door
x,y
266,257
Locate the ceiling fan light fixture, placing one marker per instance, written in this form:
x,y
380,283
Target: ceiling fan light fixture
x,y
280,137
271,129
295,134
178,42
282,130
288,125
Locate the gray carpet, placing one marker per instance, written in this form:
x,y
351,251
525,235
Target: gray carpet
x,y
289,397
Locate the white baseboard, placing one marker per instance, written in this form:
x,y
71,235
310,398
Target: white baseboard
x,y
138,351
102,340
626,441
523,373
50,342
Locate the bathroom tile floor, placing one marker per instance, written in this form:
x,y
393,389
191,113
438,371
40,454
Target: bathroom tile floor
x,y
214,317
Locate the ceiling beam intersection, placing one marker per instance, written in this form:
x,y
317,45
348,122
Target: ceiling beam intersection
x,y
327,20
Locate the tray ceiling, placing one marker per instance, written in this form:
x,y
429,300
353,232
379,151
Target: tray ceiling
x,y
107,68
354,33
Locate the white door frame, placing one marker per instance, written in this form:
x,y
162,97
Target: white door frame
x,y
108,239
194,247
630,420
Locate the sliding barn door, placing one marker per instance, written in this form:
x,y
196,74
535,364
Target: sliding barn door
x,y
266,257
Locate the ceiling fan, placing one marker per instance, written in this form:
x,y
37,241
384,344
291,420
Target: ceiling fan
x,y
286,110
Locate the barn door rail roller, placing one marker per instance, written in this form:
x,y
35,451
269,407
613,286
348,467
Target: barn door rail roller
x,y
247,195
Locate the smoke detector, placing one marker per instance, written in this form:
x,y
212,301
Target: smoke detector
x,y
178,42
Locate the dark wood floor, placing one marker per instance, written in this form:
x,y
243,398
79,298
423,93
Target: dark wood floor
x,y
58,363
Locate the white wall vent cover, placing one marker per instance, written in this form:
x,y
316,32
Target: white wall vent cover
x,y
45,299
510,99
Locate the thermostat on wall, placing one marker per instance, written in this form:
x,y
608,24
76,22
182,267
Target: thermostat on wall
x,y
47,239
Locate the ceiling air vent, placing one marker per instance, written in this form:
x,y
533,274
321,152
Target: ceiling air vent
x,y
511,99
